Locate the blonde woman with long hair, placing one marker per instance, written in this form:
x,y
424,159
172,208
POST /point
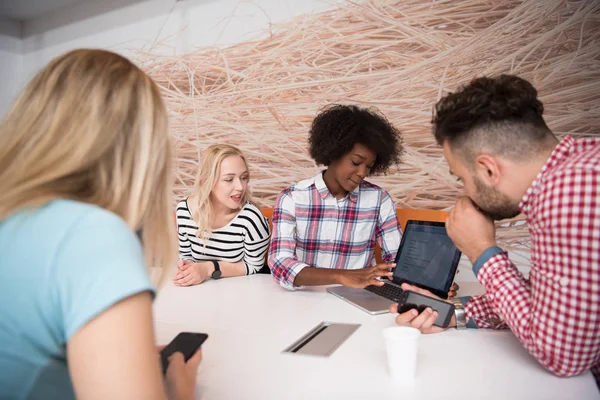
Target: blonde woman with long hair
x,y
85,163
221,233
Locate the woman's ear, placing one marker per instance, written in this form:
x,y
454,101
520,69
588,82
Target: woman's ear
x,y
488,169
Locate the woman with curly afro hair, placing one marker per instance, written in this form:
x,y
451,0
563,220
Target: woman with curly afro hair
x,y
325,228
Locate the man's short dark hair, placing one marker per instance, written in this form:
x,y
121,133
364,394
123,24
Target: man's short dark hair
x,y
337,128
502,115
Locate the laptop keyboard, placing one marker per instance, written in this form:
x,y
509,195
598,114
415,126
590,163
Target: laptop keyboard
x,y
390,292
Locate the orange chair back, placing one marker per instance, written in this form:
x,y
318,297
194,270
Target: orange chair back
x,y
405,214
268,212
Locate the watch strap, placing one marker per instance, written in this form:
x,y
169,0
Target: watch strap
x,y
217,272
460,314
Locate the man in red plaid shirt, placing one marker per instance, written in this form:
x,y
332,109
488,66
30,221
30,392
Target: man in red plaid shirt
x,y
497,143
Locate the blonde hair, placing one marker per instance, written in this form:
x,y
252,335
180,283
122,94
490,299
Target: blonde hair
x,y
92,127
207,177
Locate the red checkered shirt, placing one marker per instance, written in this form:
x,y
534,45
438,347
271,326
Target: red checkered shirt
x,y
555,313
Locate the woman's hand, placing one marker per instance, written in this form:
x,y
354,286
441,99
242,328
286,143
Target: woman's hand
x,y
453,291
190,273
360,278
181,376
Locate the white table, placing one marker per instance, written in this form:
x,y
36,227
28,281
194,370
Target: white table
x,y
250,320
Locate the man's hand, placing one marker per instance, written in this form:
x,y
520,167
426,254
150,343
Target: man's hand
x,y
360,278
190,273
424,321
471,231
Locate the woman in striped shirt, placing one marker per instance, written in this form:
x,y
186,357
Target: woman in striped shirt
x,y
221,233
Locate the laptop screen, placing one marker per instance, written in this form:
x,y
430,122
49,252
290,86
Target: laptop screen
x,y
426,256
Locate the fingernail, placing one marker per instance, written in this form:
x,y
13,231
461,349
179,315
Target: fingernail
x,y
414,312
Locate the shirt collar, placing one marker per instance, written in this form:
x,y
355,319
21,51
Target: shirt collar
x,y
324,191
559,153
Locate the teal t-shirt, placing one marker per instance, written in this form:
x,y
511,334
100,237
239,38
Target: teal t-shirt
x,y
60,266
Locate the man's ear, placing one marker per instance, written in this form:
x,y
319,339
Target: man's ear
x,y
488,169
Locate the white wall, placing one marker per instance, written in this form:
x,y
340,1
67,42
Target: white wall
x,y
10,72
11,61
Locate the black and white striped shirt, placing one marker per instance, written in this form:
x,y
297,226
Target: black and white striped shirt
x,y
245,238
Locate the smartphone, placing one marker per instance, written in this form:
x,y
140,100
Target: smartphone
x,y
186,343
410,300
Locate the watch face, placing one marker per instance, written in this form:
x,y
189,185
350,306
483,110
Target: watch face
x,y
216,274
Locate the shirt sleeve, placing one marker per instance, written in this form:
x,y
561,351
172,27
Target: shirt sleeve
x,y
481,314
387,231
185,246
556,316
99,263
282,252
256,240
479,310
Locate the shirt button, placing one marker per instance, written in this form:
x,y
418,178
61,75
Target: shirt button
x,y
564,281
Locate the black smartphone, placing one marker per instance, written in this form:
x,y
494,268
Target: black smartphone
x,y
410,300
186,343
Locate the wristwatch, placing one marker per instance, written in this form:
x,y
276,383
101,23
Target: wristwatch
x,y
459,314
217,272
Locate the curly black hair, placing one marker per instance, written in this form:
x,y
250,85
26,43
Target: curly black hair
x,y
502,113
337,128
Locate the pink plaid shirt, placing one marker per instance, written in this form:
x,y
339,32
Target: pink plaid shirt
x,y
555,313
313,228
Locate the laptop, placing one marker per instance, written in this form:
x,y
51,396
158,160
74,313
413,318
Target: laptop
x,y
426,258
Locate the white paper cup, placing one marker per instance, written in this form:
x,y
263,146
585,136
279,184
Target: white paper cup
x,y
401,343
